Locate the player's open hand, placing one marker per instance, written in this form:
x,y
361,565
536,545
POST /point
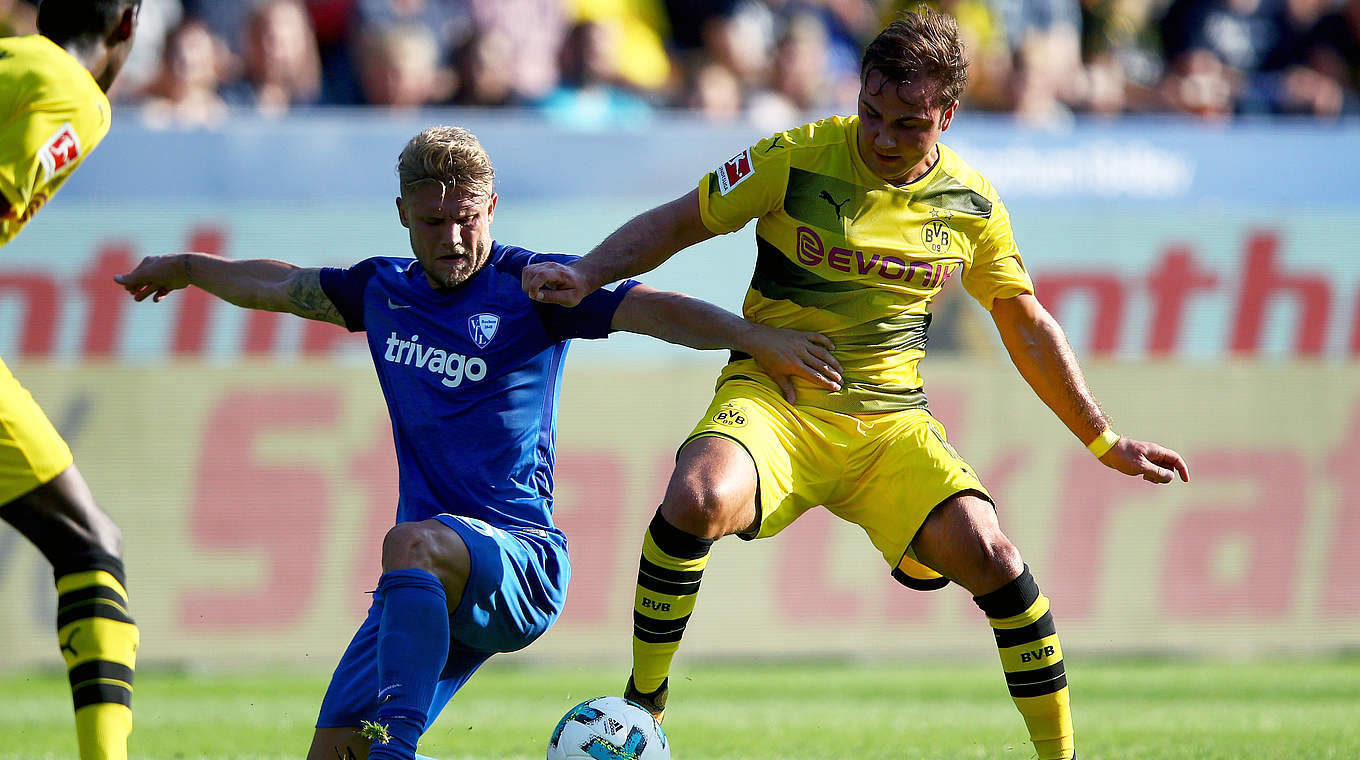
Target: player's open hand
x,y
788,354
155,276
1156,464
552,282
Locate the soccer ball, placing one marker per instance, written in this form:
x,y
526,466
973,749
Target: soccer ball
x,y
608,728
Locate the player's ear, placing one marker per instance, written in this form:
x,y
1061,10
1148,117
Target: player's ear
x,y
491,208
401,214
127,25
947,117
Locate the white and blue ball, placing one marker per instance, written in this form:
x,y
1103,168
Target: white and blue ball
x,y
608,728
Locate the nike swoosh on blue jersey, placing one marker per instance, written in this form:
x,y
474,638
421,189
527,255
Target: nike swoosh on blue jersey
x,y
394,305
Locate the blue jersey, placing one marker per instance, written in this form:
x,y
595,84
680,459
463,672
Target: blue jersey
x,y
471,377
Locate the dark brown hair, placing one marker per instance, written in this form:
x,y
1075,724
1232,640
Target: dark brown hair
x,y
64,21
920,44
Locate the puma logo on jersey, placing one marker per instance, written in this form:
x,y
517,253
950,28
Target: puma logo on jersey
x,y
826,196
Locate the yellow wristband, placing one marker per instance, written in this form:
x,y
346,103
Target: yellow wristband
x,y
1103,442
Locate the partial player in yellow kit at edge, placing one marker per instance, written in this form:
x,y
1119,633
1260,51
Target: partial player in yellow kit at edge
x,y
55,111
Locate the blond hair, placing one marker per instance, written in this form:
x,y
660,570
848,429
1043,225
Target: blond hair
x,y
449,155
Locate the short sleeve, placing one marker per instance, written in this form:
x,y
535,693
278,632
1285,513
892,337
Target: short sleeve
x,y
591,318
747,186
996,270
345,288
38,151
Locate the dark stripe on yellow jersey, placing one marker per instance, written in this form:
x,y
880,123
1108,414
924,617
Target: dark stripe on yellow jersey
x,y
88,593
94,608
676,542
904,332
669,588
99,669
919,584
658,627
1014,637
778,278
945,192
1039,689
820,200
101,693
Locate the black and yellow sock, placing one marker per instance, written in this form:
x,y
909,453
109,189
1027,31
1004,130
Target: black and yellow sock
x,y
99,643
1033,662
669,572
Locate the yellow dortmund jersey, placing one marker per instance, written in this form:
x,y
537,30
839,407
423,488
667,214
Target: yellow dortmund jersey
x,y
842,252
52,114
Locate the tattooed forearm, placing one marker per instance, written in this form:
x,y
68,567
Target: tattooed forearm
x,y
307,299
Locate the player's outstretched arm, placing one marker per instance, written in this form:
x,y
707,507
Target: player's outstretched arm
x,y
686,321
641,245
263,284
1039,348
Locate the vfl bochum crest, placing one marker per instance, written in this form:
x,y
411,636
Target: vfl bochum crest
x,y
482,328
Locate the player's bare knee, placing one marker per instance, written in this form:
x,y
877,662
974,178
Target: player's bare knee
x,y
699,506
105,534
1001,558
410,545
428,545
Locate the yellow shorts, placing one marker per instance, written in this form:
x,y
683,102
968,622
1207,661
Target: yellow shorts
x,y
883,472
31,451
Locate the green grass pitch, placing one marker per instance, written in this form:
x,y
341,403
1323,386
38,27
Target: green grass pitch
x,y
1125,709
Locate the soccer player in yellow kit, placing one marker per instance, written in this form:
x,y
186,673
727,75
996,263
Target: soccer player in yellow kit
x,y
53,112
861,221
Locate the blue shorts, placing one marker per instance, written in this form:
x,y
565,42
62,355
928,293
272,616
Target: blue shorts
x,y
514,593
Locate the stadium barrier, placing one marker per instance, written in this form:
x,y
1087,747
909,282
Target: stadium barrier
x,y
254,500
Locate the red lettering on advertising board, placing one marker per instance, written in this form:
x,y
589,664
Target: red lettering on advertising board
x,y
41,299
803,582
1263,280
105,306
373,469
1355,326
1242,557
191,329
1341,585
273,512
262,332
1106,294
323,338
587,506
1175,278
1091,496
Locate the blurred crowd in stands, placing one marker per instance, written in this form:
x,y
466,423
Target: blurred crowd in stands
x,y
595,64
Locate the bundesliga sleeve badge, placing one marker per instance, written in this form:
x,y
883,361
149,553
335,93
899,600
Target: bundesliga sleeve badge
x,y
735,171
60,151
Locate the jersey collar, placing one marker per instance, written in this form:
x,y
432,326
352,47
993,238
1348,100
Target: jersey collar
x,y
863,169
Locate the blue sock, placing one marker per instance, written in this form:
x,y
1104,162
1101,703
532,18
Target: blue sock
x,y
413,644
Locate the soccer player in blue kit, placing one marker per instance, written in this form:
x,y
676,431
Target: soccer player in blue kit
x,y
471,369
